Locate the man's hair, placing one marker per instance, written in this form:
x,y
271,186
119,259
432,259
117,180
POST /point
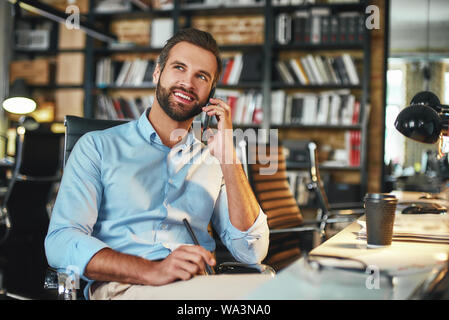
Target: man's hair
x,y
197,37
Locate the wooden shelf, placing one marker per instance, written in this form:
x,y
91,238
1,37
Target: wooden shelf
x,y
136,49
296,166
247,85
334,7
46,52
221,10
133,14
315,127
281,85
56,86
311,46
127,87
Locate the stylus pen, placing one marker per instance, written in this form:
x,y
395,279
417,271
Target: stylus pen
x,y
209,269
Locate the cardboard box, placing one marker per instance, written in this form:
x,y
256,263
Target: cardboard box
x,y
70,68
69,102
62,5
132,31
71,38
35,72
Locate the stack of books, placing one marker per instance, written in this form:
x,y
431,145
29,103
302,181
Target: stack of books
x,y
137,72
243,67
246,107
121,108
317,70
320,26
326,108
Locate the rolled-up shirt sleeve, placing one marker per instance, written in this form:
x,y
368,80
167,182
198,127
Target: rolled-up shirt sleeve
x,y
69,244
250,246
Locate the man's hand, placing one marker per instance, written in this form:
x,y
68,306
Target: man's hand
x,y
182,264
221,144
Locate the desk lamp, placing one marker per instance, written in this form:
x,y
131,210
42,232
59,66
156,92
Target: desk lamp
x,y
426,120
18,100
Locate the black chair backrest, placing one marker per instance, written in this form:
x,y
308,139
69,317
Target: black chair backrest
x,y
37,170
78,126
38,153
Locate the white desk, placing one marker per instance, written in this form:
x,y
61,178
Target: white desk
x,y
411,263
408,263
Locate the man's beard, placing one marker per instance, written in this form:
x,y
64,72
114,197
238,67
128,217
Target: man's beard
x,y
174,109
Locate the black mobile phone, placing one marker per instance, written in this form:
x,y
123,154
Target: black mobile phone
x,y
207,118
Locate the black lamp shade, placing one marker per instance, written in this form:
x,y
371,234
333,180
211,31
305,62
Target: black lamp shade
x,y
426,98
19,88
420,123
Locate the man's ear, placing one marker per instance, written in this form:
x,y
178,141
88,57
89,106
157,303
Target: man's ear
x,y
156,74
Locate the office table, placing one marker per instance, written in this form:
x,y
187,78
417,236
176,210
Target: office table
x,y
393,272
399,271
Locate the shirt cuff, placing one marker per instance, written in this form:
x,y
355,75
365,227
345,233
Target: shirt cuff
x,y
250,246
255,231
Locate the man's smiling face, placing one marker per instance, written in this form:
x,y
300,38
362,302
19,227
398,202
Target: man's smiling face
x,y
183,86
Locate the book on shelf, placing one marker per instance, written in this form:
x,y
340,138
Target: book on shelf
x,y
122,107
318,25
353,144
339,108
246,107
301,27
317,70
349,26
278,3
283,28
252,69
316,16
136,72
242,67
299,71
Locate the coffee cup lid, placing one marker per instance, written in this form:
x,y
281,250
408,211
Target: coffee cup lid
x,y
380,196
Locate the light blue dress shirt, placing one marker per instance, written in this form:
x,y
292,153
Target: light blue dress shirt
x,y
124,189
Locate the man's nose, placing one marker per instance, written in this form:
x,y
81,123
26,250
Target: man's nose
x,y
187,81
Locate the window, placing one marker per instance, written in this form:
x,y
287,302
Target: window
x,y
394,141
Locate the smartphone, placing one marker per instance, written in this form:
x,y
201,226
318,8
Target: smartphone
x,y
207,118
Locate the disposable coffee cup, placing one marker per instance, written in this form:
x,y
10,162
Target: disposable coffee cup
x,y
380,211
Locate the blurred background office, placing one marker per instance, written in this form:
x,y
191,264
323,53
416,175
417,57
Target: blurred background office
x,y
332,72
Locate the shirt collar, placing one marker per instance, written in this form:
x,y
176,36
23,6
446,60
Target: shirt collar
x,y
150,135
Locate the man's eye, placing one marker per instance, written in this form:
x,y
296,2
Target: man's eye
x,y
202,77
179,67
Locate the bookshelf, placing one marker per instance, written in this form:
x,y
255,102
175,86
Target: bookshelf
x,y
266,44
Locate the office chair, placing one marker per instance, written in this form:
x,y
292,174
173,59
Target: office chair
x,y
35,175
290,236
326,214
65,283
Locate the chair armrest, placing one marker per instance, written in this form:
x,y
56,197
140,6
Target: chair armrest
x,y
296,229
63,282
51,279
239,268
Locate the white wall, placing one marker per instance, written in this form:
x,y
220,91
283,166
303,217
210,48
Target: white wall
x,y
408,25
